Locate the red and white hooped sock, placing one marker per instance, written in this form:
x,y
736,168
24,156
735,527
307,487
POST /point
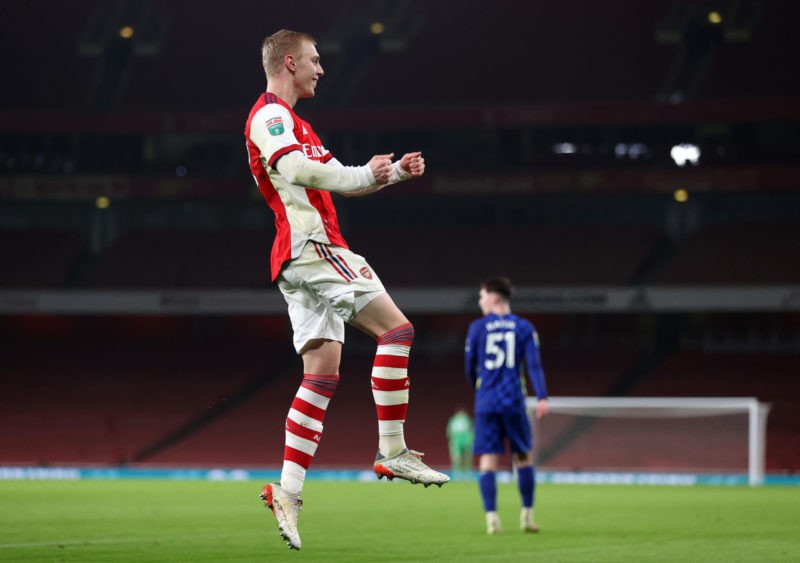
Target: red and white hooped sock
x,y
304,428
390,387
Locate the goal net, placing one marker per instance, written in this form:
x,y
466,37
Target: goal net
x,y
716,435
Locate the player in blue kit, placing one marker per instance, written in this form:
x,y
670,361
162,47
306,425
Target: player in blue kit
x,y
498,346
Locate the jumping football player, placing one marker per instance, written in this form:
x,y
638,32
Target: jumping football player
x,y
325,284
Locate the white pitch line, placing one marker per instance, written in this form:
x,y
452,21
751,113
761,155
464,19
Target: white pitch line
x,y
104,541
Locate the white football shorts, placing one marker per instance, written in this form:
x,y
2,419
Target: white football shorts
x,y
325,287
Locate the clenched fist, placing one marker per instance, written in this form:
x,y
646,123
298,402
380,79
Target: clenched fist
x,y
381,166
413,163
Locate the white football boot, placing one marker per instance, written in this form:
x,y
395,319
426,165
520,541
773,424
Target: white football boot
x,y
286,508
408,465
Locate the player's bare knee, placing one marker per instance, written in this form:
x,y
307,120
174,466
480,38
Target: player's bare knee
x,y
321,356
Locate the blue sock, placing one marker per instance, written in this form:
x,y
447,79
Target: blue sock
x,y
526,481
488,484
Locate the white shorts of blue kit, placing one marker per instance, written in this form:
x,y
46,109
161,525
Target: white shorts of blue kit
x,y
325,287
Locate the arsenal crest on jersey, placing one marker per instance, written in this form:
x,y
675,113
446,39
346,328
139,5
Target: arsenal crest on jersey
x,y
365,272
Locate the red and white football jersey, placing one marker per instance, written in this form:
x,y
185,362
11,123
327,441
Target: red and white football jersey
x,y
301,214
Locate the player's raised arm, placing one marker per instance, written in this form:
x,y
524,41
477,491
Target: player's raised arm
x,y
304,172
411,165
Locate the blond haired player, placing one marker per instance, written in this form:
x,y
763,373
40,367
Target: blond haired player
x,y
325,284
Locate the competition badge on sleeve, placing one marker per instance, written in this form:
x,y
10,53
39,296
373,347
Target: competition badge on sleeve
x,y
275,126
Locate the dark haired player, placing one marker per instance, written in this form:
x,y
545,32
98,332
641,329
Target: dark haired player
x,y
498,345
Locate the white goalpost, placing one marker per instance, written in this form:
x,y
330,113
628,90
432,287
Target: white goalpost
x,y
725,434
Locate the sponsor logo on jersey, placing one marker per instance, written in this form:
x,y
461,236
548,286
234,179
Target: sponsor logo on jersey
x,y
365,272
313,151
275,126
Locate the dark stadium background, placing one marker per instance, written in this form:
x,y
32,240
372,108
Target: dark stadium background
x,y
137,324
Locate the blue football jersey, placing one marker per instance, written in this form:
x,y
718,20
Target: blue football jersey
x,y
500,349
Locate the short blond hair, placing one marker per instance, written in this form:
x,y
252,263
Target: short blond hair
x,y
280,44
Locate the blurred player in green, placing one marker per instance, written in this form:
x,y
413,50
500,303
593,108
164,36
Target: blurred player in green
x,y
459,436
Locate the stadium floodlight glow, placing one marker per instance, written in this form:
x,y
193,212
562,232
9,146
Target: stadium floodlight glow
x,y
632,150
565,148
636,150
685,152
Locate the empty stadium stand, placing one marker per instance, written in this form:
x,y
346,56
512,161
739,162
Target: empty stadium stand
x,y
737,253
532,255
769,376
38,258
579,60
186,259
538,255
215,391
574,62
115,390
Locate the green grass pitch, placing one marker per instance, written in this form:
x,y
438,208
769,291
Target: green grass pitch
x,y
142,520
